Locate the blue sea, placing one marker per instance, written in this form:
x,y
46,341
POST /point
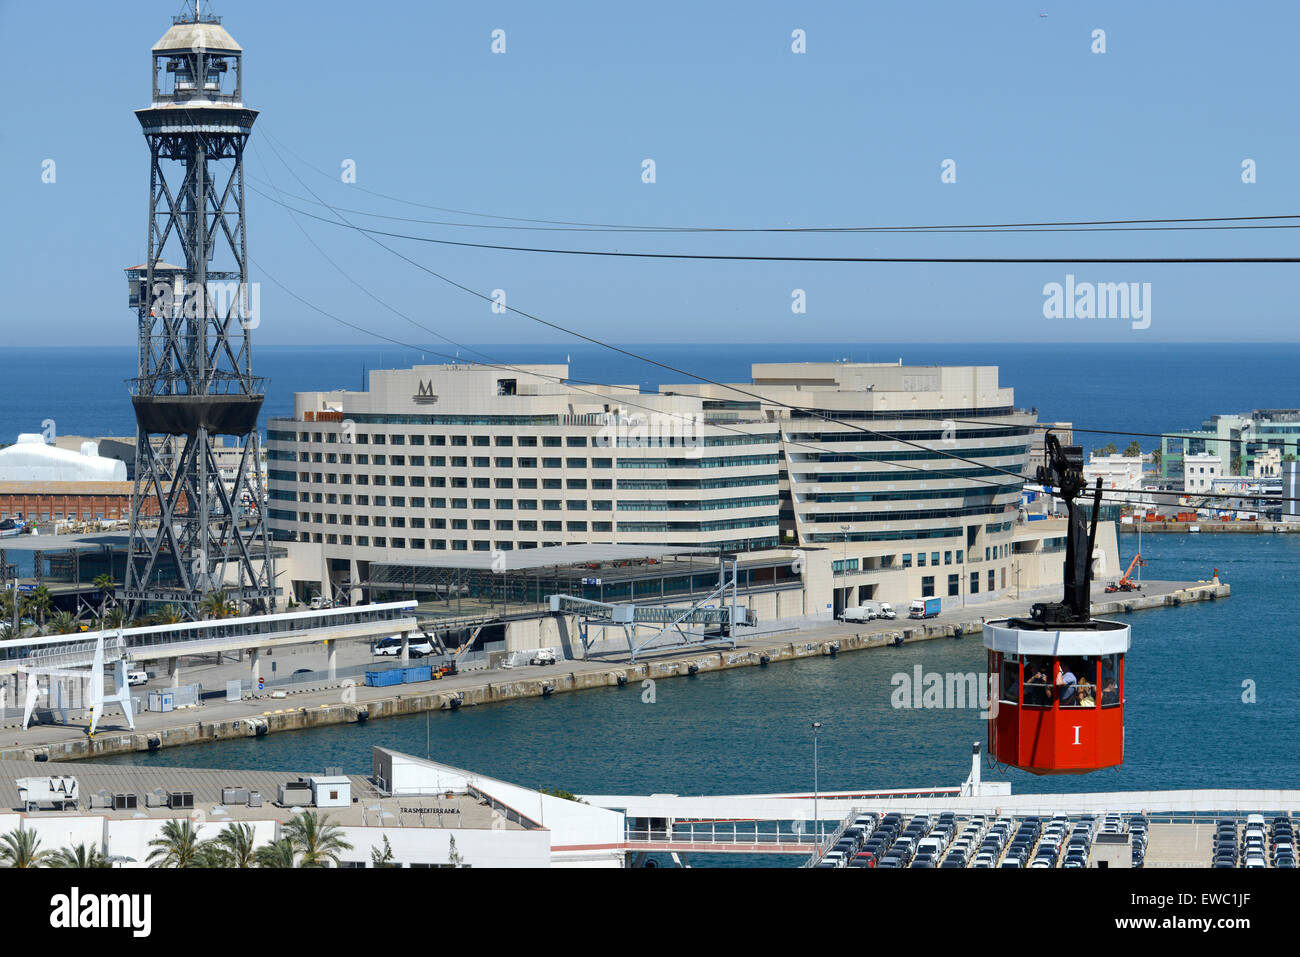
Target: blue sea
x,y
1189,723
1210,702
1135,388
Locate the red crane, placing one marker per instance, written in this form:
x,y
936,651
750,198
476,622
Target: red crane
x,y
1126,583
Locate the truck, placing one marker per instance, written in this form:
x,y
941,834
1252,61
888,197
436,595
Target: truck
x,y
924,608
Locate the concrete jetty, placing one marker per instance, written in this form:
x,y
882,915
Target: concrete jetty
x,y
345,702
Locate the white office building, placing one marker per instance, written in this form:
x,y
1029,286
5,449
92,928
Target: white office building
x,y
910,476
1115,471
1200,471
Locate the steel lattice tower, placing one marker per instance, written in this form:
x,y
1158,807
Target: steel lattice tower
x,y
194,381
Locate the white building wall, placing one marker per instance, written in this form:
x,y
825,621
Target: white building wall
x,y
1200,471
476,847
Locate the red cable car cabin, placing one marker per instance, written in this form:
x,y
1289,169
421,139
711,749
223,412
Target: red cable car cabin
x,y
1042,723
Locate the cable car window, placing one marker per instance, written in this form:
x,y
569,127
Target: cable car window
x,y
1074,683
1087,697
1010,680
1038,689
1109,681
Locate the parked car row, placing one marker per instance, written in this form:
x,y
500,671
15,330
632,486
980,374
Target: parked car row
x,y
980,842
1259,843
849,848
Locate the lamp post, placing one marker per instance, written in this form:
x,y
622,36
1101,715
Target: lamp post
x,y
845,563
817,820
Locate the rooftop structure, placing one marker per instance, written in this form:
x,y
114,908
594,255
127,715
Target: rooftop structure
x,y
1115,471
30,459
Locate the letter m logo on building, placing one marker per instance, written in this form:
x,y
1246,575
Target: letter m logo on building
x,y
424,393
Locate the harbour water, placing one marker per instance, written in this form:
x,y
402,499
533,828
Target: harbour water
x,y
748,730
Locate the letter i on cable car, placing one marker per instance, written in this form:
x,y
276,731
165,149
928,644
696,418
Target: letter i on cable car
x,y
1060,671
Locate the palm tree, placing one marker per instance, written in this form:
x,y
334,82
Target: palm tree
x,y
21,849
382,856
179,846
115,617
81,856
320,842
63,623
7,601
279,853
104,583
167,615
233,847
213,605
40,603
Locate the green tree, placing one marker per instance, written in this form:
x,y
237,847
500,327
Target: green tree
x,y
319,842
115,617
453,855
1134,449
233,847
1289,457
1156,456
21,849
81,857
216,605
167,615
382,856
178,846
62,623
7,600
1236,465
561,793
40,602
279,853
104,585
1107,449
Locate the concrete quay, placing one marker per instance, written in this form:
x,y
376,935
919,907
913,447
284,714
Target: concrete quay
x,y
345,702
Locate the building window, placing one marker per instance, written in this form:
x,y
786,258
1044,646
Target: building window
x,y
974,583
927,586
954,584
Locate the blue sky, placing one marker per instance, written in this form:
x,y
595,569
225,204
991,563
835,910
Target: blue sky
x,y
742,132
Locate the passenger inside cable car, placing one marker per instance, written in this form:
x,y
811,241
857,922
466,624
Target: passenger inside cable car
x,y
1060,682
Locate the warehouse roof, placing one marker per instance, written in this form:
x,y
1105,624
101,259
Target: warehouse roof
x,y
98,782
65,488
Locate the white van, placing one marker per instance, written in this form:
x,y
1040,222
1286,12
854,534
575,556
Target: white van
x,y
134,678
858,613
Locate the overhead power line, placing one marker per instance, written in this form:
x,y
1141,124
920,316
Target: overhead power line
x,y
778,229
804,230
812,413
751,257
